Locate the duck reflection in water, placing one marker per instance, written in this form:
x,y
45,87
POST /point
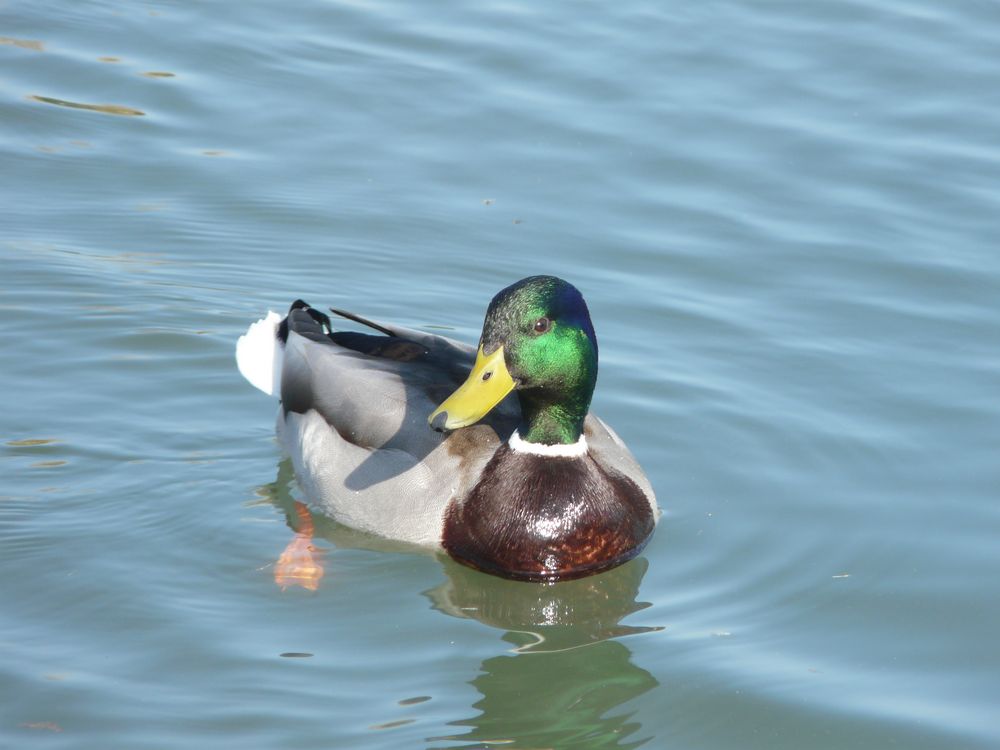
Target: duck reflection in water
x,y
566,673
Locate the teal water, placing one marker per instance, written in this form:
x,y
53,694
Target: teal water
x,y
784,217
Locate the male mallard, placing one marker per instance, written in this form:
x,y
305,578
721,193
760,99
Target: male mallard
x,y
528,487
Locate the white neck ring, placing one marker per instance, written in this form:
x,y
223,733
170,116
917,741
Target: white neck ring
x,y
573,450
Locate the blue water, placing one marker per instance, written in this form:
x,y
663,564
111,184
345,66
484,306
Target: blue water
x,y
784,218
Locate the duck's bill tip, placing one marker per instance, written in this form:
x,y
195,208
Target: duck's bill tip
x,y
439,421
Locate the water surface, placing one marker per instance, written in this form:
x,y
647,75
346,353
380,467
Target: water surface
x,y
784,219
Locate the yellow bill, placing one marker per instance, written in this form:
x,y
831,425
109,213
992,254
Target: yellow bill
x,y
485,387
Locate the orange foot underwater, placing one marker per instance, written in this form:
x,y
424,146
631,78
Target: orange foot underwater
x,y
301,563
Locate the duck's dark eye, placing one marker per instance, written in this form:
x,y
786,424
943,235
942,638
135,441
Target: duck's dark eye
x,y
542,325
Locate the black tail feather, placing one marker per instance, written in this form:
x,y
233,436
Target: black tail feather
x,y
305,320
362,321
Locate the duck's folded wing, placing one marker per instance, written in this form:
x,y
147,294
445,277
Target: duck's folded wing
x,y
453,356
377,395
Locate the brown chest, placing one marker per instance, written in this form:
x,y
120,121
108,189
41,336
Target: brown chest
x,y
547,518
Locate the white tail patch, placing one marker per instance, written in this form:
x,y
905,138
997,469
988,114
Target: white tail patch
x,y
259,354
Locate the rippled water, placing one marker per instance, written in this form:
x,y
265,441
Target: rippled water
x,y
784,217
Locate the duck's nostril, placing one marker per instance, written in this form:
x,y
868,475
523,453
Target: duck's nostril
x,y
487,375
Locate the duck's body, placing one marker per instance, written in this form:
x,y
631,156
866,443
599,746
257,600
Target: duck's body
x,y
354,419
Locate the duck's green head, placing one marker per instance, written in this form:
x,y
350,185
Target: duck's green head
x,y
538,339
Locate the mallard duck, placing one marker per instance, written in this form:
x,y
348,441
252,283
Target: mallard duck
x,y
489,453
